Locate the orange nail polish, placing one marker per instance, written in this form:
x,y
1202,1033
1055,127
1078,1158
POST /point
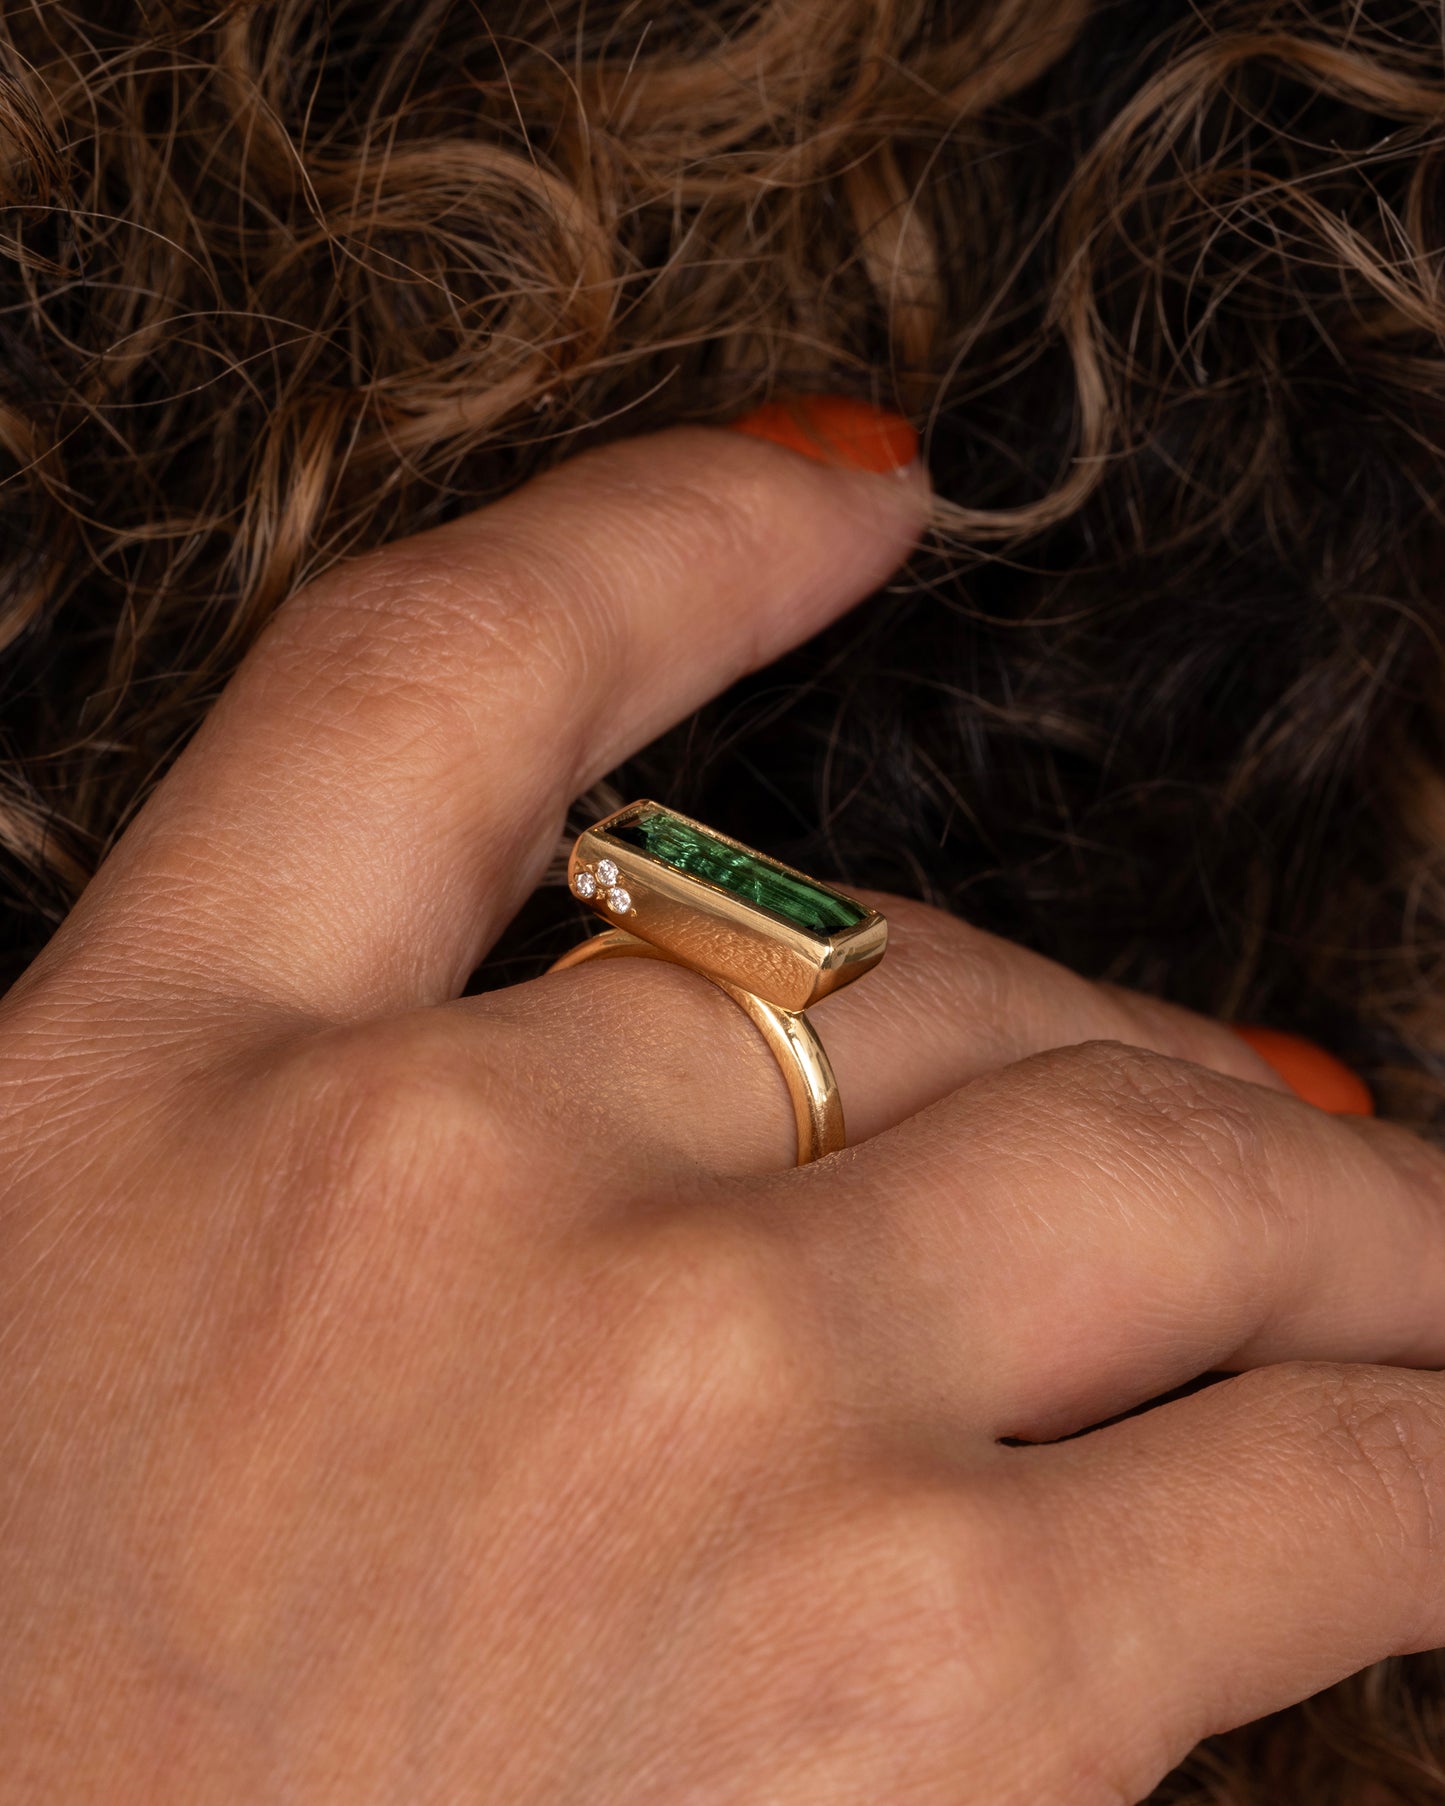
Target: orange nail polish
x,y
832,429
1311,1073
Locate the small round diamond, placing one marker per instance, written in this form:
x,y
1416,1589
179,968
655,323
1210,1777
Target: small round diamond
x,y
585,884
618,900
607,872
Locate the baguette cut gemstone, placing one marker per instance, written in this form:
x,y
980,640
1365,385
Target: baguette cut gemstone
x,y
688,848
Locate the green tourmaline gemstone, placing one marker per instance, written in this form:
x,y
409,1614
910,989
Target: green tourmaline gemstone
x,y
686,848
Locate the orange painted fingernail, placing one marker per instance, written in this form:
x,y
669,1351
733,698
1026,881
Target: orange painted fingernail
x,y
833,429
1311,1073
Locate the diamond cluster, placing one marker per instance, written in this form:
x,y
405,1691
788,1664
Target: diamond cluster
x,y
602,879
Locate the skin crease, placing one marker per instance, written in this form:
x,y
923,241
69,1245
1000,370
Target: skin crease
x,y
418,1399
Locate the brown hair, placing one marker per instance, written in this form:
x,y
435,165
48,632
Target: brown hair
x,y
1163,284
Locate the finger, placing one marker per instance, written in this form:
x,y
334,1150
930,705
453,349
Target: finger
x,y
1310,1072
951,1002
686,1073
1230,1553
1078,1233
386,776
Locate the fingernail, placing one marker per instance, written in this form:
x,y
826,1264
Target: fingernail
x,y
833,429
1311,1073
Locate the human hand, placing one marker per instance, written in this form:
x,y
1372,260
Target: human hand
x,y
419,1399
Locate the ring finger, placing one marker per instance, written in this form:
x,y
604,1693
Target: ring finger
x,y
661,1054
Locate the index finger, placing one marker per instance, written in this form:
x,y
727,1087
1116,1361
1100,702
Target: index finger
x,y
386,776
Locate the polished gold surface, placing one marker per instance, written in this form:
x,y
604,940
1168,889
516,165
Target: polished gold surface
x,y
792,1039
730,939
772,965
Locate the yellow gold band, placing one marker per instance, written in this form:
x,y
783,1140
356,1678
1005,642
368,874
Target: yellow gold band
x,y
774,939
791,1038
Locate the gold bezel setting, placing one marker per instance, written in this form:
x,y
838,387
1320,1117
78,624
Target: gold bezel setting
x,y
729,936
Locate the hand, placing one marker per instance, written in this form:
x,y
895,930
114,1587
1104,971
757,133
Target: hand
x,y
417,1400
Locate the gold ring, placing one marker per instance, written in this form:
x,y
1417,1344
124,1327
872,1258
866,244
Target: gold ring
x,y
772,938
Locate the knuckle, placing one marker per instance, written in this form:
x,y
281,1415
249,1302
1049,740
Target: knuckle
x,y
1379,1430
1173,1094
372,1158
712,513
909,1572
706,1337
1389,1435
904,1614
372,1109
563,620
1184,1118
501,608
407,647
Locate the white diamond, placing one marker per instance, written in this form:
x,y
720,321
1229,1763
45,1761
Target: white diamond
x,y
607,872
618,900
585,884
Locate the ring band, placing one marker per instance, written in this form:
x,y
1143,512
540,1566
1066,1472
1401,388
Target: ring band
x,y
792,1040
772,938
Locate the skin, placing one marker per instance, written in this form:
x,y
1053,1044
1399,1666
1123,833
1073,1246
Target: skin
x,y
414,1399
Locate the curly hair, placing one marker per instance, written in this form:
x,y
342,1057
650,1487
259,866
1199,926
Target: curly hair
x,y
1163,284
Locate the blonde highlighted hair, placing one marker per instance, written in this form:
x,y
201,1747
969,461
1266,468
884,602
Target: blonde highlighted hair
x,y
1162,284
